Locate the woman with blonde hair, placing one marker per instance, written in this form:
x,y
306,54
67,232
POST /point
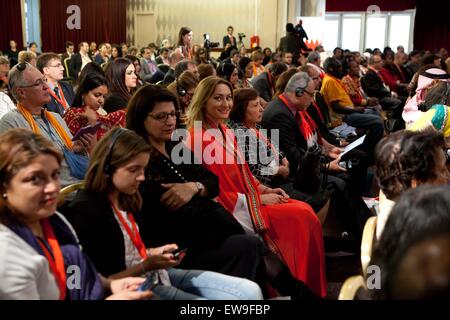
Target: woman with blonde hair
x,y
289,227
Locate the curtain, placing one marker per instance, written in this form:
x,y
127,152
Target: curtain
x,y
431,27
101,21
10,24
362,5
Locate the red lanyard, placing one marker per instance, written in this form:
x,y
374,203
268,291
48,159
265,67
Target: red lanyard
x,y
56,261
134,235
61,101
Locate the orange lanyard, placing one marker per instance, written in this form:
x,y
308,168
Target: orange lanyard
x,y
134,235
61,101
56,261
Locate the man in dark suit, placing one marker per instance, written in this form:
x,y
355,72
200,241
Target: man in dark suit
x,y
67,55
229,38
265,82
79,60
284,115
373,85
61,93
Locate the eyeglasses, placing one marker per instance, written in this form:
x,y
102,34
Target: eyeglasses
x,y
39,82
163,116
59,65
311,94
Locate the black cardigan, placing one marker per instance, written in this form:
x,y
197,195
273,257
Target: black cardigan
x,y
98,230
200,224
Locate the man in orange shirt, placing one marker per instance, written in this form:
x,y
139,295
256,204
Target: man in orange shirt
x,y
342,108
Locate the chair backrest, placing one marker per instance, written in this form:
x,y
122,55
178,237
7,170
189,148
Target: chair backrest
x,y
66,67
64,192
163,67
367,243
351,287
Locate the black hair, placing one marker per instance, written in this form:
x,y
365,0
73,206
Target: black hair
x,y
89,82
406,155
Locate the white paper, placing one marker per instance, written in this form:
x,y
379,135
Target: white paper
x,y
353,145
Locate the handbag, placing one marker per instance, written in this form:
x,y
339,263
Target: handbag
x,y
308,177
78,163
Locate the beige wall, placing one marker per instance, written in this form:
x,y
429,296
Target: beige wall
x,y
264,17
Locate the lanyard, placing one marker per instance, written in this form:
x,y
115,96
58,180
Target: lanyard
x,y
62,101
56,261
134,235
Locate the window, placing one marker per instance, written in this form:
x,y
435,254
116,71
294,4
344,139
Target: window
x,y
359,30
399,32
376,32
331,32
351,32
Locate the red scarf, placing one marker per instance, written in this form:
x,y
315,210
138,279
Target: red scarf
x,y
306,124
134,235
55,258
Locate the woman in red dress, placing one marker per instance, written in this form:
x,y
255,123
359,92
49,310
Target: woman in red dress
x,y
87,107
289,227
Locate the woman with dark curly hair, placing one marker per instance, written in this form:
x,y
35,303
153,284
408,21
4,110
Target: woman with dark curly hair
x,y
405,160
413,252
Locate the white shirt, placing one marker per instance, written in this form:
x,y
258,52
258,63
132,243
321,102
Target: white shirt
x,y
24,273
6,104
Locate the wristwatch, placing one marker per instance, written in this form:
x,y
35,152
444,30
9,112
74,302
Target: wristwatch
x,y
200,187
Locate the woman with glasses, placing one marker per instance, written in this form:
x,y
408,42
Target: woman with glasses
x,y
178,194
110,202
40,256
289,227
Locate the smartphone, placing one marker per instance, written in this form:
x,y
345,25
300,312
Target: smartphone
x,y
177,252
149,283
88,129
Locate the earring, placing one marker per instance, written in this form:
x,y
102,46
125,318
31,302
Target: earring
x,y
5,196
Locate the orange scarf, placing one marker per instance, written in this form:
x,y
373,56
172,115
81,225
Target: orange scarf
x,y
35,128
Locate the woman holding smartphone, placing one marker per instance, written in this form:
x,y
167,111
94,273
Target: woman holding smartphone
x,y
103,215
86,107
39,251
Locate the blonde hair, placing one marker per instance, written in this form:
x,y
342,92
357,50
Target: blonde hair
x,y
203,92
26,56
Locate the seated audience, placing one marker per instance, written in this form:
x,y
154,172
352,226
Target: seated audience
x,y
260,209
30,90
265,82
229,72
374,85
265,161
37,244
109,202
342,108
215,239
298,135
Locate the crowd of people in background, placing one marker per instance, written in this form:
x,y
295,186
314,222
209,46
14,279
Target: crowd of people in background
x,y
106,116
